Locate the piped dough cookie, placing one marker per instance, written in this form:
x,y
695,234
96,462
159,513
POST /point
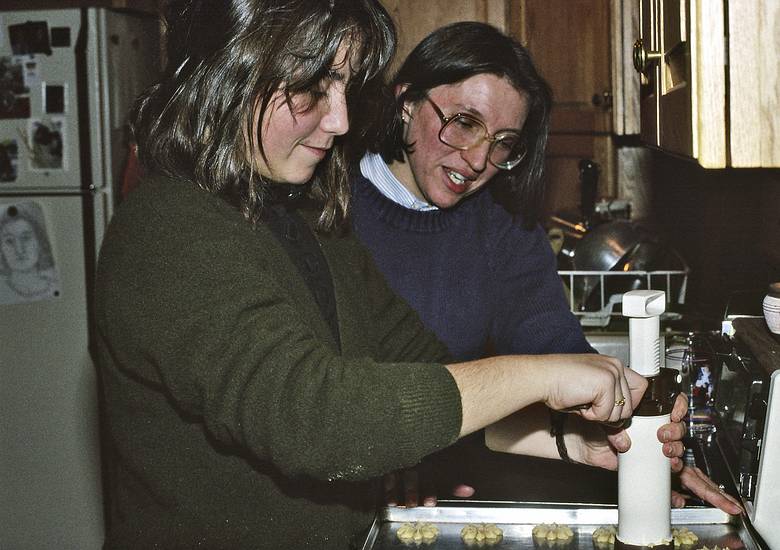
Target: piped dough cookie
x,y
552,532
684,537
418,532
604,535
481,533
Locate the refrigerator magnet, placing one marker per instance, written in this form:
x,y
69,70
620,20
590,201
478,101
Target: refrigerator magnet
x,y
30,38
32,72
27,269
55,98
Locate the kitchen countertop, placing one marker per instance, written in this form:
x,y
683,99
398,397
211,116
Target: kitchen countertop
x,y
764,345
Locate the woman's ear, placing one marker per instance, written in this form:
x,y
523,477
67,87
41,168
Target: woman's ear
x,y
406,107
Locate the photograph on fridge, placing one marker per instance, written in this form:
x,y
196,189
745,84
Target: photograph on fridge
x,y
27,268
46,144
14,91
9,160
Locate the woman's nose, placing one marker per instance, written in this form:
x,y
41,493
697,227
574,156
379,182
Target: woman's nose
x,y
336,119
477,156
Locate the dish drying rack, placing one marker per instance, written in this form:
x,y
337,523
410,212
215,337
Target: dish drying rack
x,y
665,280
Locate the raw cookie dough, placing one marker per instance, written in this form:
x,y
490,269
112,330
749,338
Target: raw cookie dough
x,y
604,535
418,532
684,537
484,533
552,532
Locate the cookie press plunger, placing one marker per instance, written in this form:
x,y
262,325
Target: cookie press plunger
x,y
644,473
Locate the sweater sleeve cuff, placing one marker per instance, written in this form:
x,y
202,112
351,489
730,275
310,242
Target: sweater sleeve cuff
x,y
430,411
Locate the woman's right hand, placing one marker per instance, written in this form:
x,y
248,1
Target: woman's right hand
x,y
597,387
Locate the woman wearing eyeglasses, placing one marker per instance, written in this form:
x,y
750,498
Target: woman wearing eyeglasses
x,y
450,196
448,201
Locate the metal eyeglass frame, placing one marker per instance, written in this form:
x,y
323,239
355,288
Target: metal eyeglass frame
x,y
492,139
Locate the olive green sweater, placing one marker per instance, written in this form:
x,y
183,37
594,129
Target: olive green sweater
x,y
232,420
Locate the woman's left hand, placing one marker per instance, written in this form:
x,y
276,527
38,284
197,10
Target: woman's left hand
x,y
414,486
697,482
604,454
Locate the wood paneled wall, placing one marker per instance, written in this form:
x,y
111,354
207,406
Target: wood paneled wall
x,y
416,18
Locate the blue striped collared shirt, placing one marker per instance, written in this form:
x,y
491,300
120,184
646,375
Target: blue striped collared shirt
x,y
377,172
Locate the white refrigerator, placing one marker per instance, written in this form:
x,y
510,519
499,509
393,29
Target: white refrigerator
x,y
67,80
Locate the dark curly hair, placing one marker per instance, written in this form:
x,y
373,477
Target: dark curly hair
x,y
226,59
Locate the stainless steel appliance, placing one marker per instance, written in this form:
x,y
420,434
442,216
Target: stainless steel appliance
x,y
747,419
67,79
734,417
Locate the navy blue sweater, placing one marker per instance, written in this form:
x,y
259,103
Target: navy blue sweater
x,y
472,273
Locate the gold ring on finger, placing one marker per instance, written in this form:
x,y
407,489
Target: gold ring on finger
x,y
620,402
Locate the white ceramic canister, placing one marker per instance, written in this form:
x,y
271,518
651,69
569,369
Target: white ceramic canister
x,y
772,308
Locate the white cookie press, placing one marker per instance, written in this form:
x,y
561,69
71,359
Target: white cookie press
x,y
644,473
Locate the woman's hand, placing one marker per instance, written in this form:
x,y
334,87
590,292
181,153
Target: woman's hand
x,y
597,387
414,486
599,447
697,482
670,435
602,449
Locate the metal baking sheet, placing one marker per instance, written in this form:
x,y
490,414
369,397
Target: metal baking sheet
x,y
517,519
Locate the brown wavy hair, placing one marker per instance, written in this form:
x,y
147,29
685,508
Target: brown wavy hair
x,y
227,58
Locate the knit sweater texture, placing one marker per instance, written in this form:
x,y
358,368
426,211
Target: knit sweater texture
x,y
477,278
232,420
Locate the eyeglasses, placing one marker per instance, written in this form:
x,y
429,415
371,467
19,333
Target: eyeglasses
x,y
462,131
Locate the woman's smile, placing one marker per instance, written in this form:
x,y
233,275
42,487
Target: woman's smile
x,y
443,175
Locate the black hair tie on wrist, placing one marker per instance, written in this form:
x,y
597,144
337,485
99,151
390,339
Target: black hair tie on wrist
x,y
557,420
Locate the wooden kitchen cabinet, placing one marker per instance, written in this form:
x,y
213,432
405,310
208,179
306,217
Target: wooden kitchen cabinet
x,y
570,41
415,19
710,87
624,28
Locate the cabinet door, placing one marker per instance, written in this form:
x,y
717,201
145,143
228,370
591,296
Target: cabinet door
x,y
675,91
646,61
624,29
718,98
570,40
708,68
683,96
754,83
415,19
